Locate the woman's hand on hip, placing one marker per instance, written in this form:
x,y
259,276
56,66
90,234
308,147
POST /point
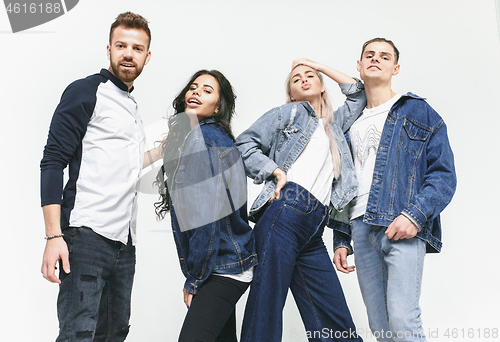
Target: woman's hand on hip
x,y
281,181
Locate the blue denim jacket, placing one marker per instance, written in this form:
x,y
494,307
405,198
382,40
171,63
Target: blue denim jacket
x,y
278,137
209,208
414,173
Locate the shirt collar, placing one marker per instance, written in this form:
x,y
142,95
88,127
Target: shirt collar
x,y
106,73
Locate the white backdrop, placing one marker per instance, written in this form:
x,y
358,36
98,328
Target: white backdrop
x,y
450,53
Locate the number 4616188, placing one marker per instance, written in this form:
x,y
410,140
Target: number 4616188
x,y
471,333
33,8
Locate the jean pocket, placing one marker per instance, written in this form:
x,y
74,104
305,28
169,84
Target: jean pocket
x,y
300,207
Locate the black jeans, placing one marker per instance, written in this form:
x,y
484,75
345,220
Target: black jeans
x,y
211,316
94,298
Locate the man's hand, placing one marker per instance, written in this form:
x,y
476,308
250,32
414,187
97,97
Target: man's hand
x,y
340,261
281,181
55,249
401,228
188,297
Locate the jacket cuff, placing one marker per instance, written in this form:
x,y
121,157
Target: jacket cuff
x,y
342,240
265,172
415,216
351,88
192,285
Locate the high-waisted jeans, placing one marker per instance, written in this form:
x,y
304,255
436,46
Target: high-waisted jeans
x,y
292,255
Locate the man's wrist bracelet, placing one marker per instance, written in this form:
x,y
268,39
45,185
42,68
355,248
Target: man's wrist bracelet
x,y
53,236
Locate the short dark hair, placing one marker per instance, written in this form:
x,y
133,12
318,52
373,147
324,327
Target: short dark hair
x,y
378,39
131,20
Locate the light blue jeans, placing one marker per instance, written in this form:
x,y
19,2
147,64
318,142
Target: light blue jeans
x,y
390,277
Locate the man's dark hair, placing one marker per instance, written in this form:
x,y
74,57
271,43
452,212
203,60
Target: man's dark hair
x,y
131,20
378,39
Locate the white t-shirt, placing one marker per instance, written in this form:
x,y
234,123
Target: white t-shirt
x,y
245,276
313,168
365,135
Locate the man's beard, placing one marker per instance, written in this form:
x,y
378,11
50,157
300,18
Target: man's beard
x,y
126,75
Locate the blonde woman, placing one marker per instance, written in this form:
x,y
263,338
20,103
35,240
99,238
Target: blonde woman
x,y
299,151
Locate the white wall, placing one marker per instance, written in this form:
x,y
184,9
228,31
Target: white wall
x,y
449,53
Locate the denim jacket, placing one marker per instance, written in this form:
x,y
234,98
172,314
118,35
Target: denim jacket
x,y
278,137
209,208
414,173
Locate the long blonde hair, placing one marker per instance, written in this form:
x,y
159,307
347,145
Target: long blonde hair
x,y
327,117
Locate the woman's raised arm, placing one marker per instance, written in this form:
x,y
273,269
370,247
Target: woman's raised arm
x,y
335,75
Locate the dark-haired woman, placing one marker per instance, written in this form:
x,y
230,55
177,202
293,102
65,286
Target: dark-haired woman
x,y
203,185
299,151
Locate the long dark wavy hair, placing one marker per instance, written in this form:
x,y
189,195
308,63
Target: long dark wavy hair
x,y
179,127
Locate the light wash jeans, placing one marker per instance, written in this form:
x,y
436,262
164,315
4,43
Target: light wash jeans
x,y
390,277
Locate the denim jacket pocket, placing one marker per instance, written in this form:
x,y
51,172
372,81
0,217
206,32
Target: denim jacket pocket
x,y
414,138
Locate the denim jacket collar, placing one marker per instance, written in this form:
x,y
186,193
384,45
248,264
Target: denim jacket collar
x,y
401,101
207,121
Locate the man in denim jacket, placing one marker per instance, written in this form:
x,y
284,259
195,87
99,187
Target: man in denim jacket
x,y
406,177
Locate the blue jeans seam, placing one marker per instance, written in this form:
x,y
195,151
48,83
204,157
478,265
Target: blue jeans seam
x,y
69,325
384,269
316,229
68,278
277,215
419,326
309,299
109,311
